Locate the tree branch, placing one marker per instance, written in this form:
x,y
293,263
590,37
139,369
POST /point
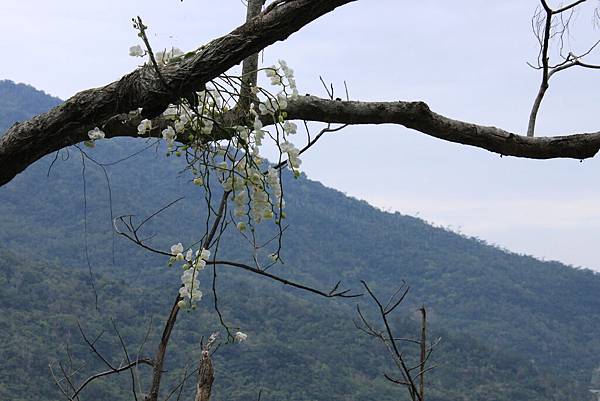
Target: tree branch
x,y
109,107
413,115
335,292
67,124
250,65
418,116
128,366
170,323
549,31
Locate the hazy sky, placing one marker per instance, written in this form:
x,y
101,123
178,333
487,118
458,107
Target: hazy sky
x,y
466,59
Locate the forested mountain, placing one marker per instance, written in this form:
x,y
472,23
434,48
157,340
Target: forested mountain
x,y
512,327
19,102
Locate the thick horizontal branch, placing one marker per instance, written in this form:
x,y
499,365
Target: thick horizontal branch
x,y
418,116
414,115
67,124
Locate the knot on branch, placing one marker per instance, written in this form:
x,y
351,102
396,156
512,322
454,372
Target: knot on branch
x,y
422,107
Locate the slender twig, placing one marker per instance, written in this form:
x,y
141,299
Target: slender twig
x,y
331,294
567,7
571,60
423,355
91,345
390,341
312,142
139,25
126,353
143,361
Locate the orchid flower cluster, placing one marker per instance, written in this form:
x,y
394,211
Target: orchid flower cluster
x,y
255,186
197,128
274,107
189,292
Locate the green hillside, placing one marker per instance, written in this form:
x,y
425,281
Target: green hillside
x,y
299,348
513,327
19,102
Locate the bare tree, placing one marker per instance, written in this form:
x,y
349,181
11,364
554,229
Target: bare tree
x,y
553,25
412,377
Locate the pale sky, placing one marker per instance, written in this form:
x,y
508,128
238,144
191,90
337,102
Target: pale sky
x,y
466,59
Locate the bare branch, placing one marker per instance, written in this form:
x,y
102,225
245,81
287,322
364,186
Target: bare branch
x,y
91,345
423,355
568,7
130,365
312,142
333,293
418,116
389,340
126,353
250,65
109,107
159,360
170,323
544,37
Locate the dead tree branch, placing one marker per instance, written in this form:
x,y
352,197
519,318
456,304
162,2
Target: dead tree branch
x,y
545,30
386,335
206,373
128,364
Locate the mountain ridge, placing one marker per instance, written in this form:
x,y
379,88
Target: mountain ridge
x,y
538,312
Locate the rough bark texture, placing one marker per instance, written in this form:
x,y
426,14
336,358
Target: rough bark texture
x,y
418,116
414,115
26,142
206,376
250,65
161,352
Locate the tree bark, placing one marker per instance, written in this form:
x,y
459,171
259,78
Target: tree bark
x,y
26,142
418,116
206,376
